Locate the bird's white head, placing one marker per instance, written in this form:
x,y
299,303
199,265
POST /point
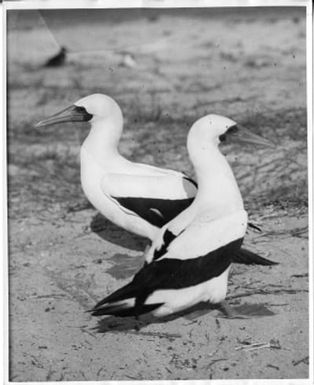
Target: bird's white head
x,y
211,130
92,108
99,106
216,183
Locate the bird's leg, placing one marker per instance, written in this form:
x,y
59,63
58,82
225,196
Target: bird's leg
x,y
228,311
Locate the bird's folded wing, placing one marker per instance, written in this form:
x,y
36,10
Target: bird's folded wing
x,y
205,235
149,186
156,199
166,274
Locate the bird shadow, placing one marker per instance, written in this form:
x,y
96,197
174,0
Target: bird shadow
x,y
123,324
114,234
135,324
124,266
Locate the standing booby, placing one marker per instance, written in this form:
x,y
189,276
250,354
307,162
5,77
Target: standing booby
x,y
190,258
137,197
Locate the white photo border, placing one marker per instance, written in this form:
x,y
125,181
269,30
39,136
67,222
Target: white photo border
x,y
119,4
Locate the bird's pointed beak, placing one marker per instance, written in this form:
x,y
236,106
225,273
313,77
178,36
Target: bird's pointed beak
x,y
70,114
243,135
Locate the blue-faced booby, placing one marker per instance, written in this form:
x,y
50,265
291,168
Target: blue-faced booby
x,y
190,258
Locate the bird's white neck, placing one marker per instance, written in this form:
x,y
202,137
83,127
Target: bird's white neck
x,y
103,140
217,188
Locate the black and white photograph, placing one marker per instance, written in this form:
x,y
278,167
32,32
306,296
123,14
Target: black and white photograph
x,y
158,191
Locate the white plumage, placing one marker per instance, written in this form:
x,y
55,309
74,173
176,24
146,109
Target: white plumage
x,y
190,258
191,255
138,197
107,176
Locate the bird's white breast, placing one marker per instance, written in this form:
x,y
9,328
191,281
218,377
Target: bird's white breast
x,y
175,300
92,177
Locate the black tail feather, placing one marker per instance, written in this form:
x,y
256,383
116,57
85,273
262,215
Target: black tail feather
x,y
125,292
110,309
247,257
130,299
120,311
117,302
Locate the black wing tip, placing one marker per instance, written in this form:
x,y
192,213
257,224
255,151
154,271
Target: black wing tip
x,y
247,257
255,227
121,311
271,263
265,262
94,310
101,311
99,304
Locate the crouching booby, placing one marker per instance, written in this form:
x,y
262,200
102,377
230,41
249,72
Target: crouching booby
x,y
190,258
137,197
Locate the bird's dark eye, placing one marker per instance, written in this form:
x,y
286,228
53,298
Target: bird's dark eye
x,y
85,116
232,129
222,137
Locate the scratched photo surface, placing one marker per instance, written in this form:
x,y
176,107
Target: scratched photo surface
x,y
165,69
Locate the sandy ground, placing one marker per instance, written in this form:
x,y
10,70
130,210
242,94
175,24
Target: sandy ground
x,y
64,256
